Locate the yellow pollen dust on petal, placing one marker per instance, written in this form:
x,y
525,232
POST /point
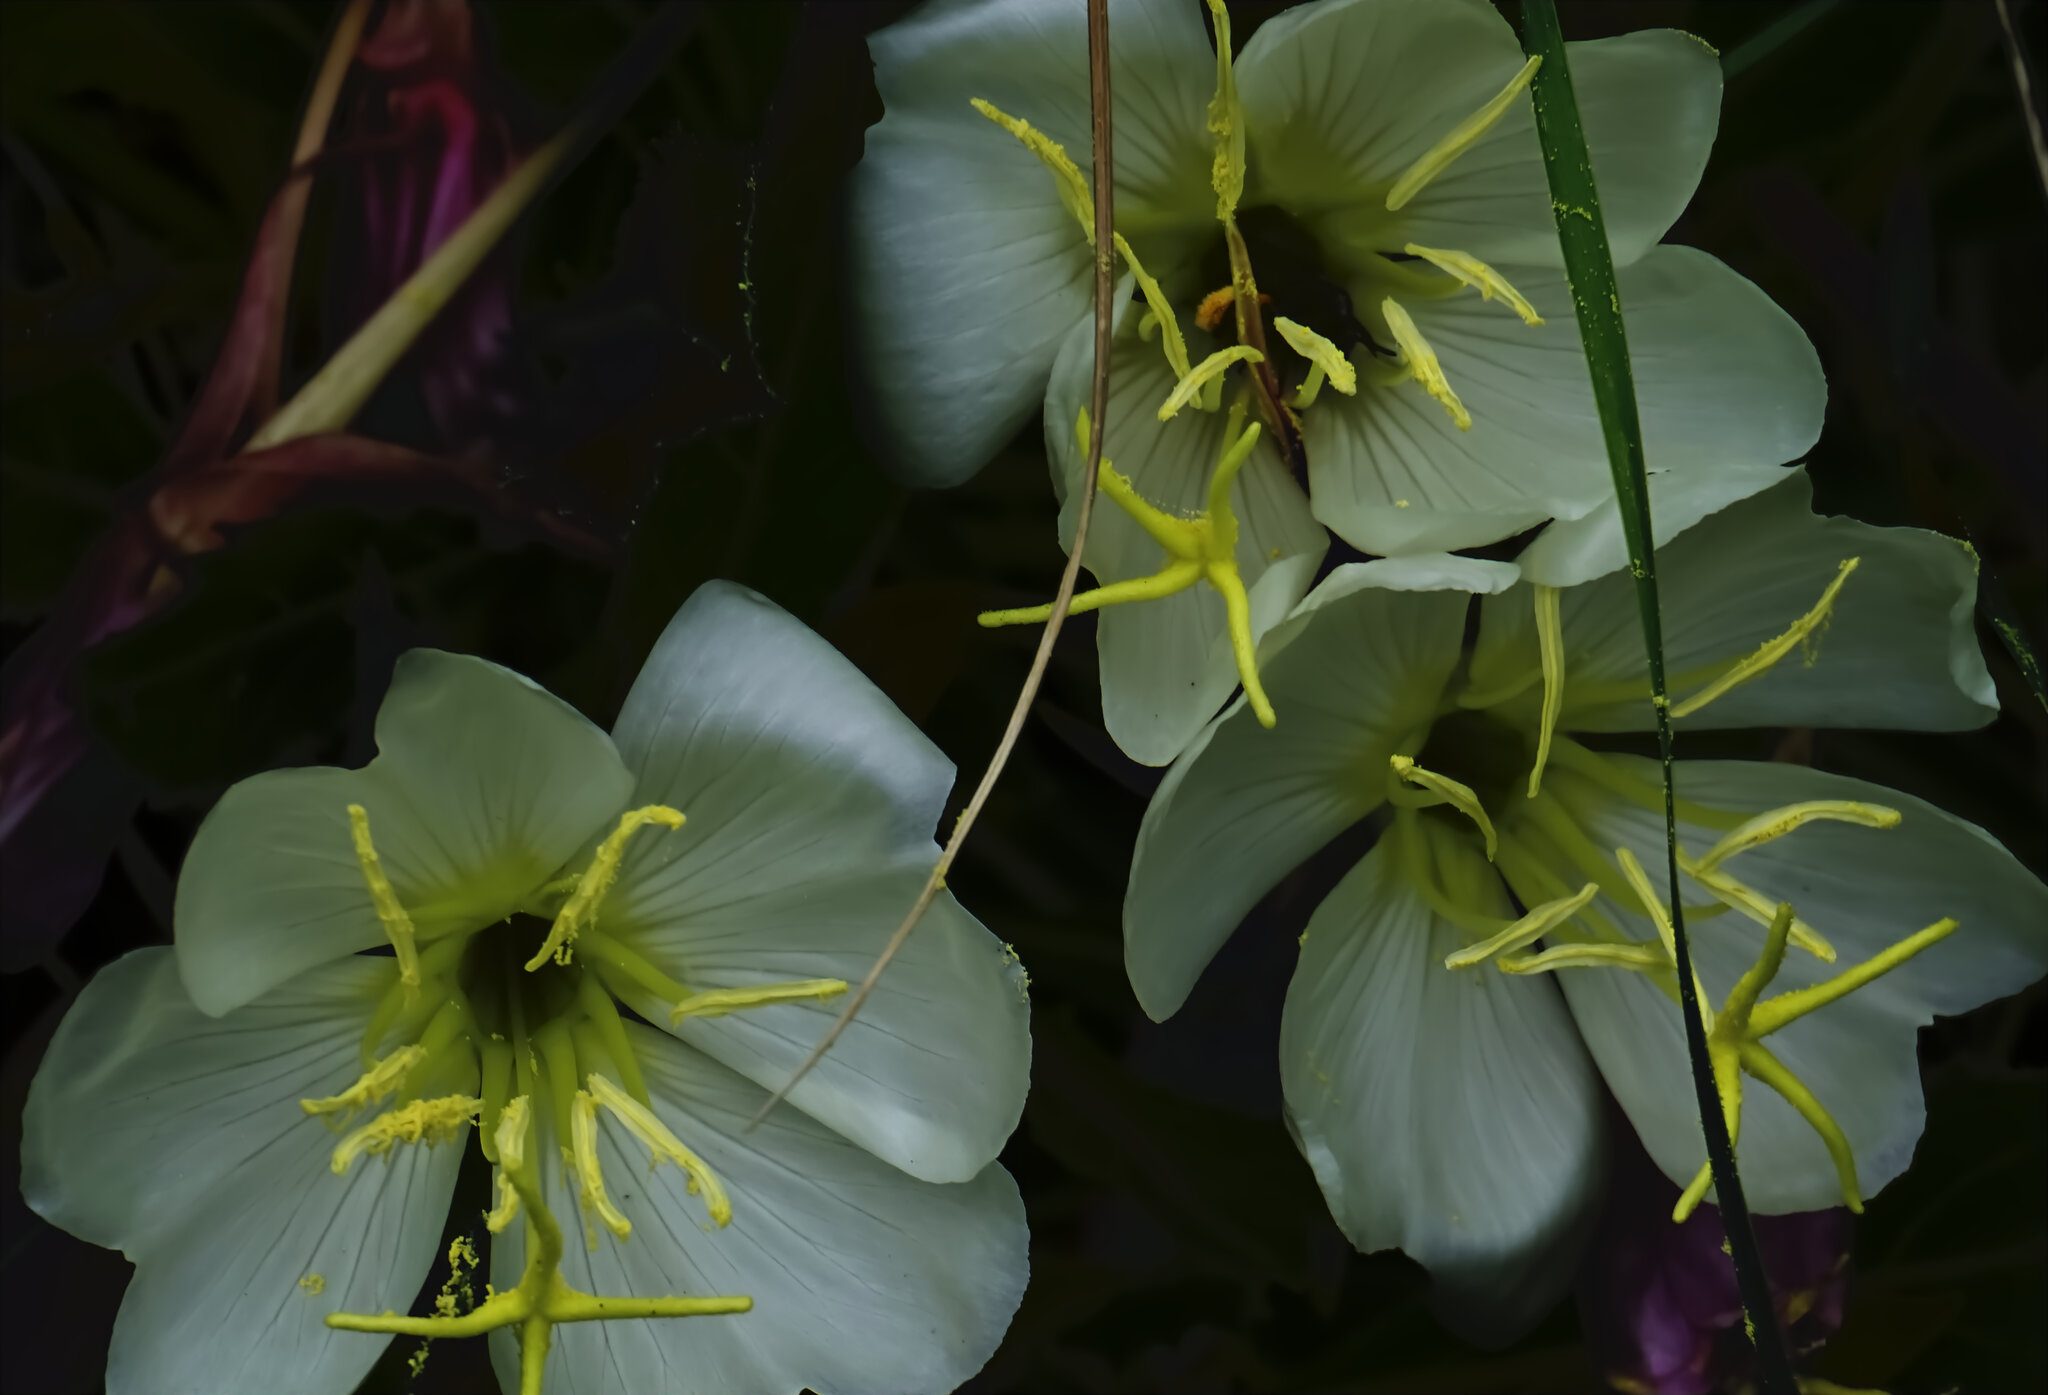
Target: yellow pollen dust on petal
x,y
580,910
663,1146
1802,632
718,1002
398,927
1774,824
1448,791
1066,175
1479,276
1226,122
1550,646
1202,548
376,1084
1325,359
1421,362
1459,139
422,1121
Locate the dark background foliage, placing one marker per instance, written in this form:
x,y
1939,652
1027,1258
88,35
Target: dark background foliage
x,y
1873,174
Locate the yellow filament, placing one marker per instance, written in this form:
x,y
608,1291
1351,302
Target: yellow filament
x,y
1226,122
1479,276
422,1121
662,1145
580,910
1202,374
1739,896
589,1171
717,1002
1066,175
377,1083
1550,644
398,927
1421,362
1461,138
1171,343
1530,928
1458,795
1325,356
1776,823
1768,654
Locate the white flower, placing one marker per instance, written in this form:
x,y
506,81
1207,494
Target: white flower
x,y
1418,337
1454,1111
722,864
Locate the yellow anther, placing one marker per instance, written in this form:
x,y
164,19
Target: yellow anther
x,y
717,1002
1171,343
1526,931
1202,548
1325,360
1448,791
1802,632
1479,276
398,925
589,1171
1226,122
1202,374
580,910
1738,896
1776,823
421,1121
1550,645
1066,175
1421,364
1461,138
1640,958
378,1083
662,1145
507,1209
513,1125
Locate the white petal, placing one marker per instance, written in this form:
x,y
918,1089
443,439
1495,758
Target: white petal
x,y
967,269
1576,550
1723,378
1448,1113
810,803
1342,97
1900,650
1167,665
862,1279
1359,667
483,786
177,1138
1863,889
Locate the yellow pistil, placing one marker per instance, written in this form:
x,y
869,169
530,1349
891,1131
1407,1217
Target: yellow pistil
x,y
542,1297
1209,370
1447,791
1479,276
662,1145
717,1002
1066,175
375,1085
398,927
1550,645
1458,140
1526,931
580,910
421,1121
1202,548
1802,632
1325,361
1420,362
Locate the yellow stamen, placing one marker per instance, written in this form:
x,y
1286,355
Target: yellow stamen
x,y
507,1209
398,927
1801,633
377,1083
1529,929
1479,276
1202,374
663,1146
1226,122
1461,138
1171,343
1641,958
1458,795
1214,307
1550,643
1066,175
1746,899
422,1121
1776,823
1325,359
589,1171
717,1002
580,910
1421,363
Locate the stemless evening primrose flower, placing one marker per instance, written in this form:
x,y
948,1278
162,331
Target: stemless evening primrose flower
x,y
1346,233
1444,1091
720,866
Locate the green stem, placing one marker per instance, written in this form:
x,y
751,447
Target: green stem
x,y
1596,300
